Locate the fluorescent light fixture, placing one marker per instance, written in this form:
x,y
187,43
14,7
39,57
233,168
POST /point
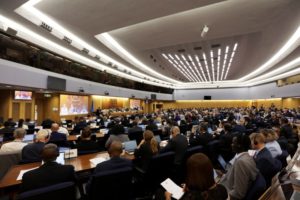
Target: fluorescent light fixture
x,y
34,15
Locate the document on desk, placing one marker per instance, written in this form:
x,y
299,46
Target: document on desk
x,y
22,172
96,161
171,187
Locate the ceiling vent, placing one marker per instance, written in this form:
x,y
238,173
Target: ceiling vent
x,y
215,45
68,40
84,50
46,27
197,48
181,50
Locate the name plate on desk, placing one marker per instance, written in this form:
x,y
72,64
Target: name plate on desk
x,y
72,153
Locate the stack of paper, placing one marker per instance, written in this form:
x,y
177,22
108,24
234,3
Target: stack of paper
x,y
96,161
172,188
22,172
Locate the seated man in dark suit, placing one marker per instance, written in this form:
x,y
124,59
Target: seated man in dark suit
x,y
178,143
49,173
201,136
7,132
57,138
79,126
134,128
115,162
33,152
265,163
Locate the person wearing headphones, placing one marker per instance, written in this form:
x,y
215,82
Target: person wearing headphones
x,y
265,163
32,152
49,173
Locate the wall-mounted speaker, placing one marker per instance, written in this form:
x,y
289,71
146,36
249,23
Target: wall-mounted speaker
x,y
106,93
11,31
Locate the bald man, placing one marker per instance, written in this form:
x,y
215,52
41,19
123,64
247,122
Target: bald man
x,y
115,162
49,173
178,143
32,152
57,138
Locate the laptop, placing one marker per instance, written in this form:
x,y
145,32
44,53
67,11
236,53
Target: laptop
x,y
157,138
28,138
63,149
142,126
130,146
222,163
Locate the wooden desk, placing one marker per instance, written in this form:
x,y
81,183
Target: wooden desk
x,y
80,163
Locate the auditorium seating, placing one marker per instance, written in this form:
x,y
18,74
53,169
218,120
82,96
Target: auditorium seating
x,y
111,185
257,189
65,190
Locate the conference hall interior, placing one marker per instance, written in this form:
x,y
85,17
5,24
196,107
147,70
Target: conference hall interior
x,y
150,100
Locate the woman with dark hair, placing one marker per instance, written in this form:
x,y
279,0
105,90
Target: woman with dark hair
x,y
147,148
117,132
200,183
86,144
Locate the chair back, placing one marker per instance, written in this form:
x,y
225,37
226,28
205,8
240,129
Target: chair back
x,y
65,190
160,168
137,135
257,188
282,158
192,150
111,185
7,160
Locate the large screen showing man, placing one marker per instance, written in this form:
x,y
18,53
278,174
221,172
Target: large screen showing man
x,y
73,105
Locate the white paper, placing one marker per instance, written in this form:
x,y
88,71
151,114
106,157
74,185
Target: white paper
x,y
96,161
22,172
172,188
251,152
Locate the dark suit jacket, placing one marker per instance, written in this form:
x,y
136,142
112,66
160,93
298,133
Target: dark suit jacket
x,y
135,129
113,163
179,145
7,133
266,164
48,174
55,136
79,126
239,128
87,145
32,152
143,155
200,139
59,139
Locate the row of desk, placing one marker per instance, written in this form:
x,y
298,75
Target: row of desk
x,y
81,164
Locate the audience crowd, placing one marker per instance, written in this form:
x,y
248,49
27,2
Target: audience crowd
x,y
253,142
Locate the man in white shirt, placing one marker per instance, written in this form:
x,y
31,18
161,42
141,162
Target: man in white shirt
x,y
17,144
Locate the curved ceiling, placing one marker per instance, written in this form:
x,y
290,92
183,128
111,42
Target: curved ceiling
x,y
164,43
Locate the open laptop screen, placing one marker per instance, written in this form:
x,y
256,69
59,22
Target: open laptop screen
x,y
130,146
28,138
